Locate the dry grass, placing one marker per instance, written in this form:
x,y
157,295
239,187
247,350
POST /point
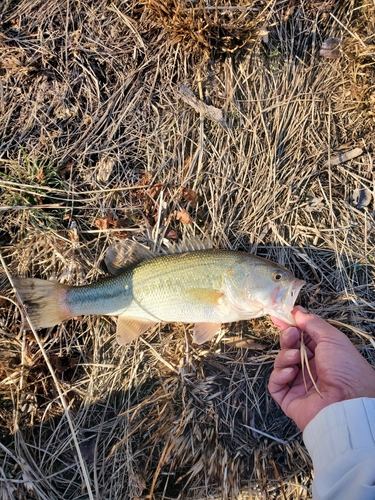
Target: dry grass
x,y
96,144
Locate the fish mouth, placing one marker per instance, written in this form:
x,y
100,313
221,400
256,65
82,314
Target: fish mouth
x,y
286,300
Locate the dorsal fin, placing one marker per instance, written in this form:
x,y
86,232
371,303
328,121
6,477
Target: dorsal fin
x,y
125,253
191,244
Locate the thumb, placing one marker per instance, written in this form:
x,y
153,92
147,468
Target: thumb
x,y
317,328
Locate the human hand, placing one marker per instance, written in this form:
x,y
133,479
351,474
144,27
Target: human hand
x,y
338,369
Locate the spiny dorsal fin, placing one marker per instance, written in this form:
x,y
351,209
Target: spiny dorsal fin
x,y
192,244
124,253
129,329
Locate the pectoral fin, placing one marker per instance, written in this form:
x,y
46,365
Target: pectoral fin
x,y
129,329
204,296
205,331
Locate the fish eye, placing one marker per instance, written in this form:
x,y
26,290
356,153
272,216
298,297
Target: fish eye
x,y
277,276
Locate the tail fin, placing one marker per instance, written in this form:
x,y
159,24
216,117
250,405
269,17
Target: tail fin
x,y
45,301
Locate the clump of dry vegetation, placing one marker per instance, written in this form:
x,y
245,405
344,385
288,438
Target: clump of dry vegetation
x,y
96,145
210,29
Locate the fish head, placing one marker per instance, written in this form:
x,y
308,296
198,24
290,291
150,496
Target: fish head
x,y
275,288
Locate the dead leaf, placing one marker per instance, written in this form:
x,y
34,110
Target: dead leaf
x,y
187,165
342,158
40,176
146,178
101,223
289,11
151,202
172,235
183,216
73,235
105,167
211,112
155,190
190,195
331,48
362,197
139,194
315,204
105,222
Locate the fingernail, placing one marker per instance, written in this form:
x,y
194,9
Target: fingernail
x,y
291,353
302,309
289,331
287,370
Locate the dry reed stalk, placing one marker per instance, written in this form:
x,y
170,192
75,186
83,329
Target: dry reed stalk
x,y
305,364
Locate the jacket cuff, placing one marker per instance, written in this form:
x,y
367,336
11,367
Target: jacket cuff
x,y
348,426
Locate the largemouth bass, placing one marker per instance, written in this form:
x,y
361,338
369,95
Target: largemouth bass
x,y
193,285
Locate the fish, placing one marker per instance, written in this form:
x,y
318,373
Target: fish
x,y
193,283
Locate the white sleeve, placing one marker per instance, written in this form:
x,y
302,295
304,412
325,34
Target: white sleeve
x,y
341,443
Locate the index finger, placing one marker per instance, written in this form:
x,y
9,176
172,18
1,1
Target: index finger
x,y
280,324
290,338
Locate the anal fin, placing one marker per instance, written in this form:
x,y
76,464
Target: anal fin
x,y
129,329
205,331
